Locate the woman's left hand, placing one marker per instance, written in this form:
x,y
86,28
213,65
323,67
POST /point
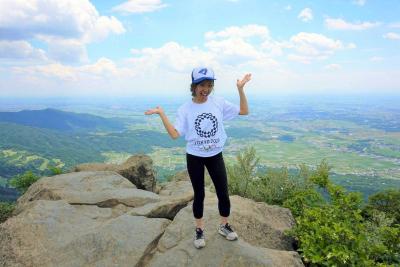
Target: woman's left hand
x,y
241,83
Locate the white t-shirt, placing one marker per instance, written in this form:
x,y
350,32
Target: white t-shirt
x,y
202,125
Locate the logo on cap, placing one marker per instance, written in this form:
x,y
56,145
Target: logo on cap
x,y
203,71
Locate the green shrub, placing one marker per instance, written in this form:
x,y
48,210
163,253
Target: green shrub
x,y
332,228
320,176
387,201
276,186
55,170
302,200
23,181
383,239
333,234
329,237
6,209
272,186
242,174
333,231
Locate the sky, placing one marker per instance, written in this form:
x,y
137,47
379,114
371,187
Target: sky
x,y
57,48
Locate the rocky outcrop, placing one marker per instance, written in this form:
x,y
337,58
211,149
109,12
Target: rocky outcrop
x,y
88,219
99,218
261,241
138,169
104,189
55,233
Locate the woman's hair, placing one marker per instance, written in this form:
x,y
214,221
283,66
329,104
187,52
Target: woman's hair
x,y
194,85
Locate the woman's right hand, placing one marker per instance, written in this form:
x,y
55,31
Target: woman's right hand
x,y
156,110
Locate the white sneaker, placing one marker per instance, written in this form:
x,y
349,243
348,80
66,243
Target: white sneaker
x,y
199,241
227,231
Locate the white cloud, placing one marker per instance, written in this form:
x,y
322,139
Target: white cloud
x,y
172,57
288,7
56,70
20,50
272,47
392,36
312,46
266,81
103,69
249,44
139,6
102,27
55,18
240,32
231,52
340,24
71,24
359,2
305,15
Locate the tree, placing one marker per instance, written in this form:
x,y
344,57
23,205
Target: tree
x,y
23,181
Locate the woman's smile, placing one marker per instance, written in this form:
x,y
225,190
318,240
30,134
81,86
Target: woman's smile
x,y
203,90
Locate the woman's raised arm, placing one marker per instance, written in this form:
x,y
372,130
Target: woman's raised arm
x,y
244,108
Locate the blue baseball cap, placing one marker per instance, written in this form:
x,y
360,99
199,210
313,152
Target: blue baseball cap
x,y
201,74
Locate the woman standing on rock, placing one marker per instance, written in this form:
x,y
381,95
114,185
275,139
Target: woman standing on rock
x,y
200,121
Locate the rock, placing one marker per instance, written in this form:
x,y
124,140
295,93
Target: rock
x,y
258,244
138,169
104,189
99,218
177,189
261,224
174,196
55,233
181,176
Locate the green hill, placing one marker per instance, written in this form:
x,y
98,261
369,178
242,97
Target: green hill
x,y
28,148
61,120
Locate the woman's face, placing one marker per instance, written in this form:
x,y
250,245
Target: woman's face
x,y
204,88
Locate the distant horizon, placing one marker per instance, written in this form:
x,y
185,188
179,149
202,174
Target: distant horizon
x,y
233,95
14,104
186,95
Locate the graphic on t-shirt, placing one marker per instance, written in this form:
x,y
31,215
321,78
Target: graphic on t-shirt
x,y
206,125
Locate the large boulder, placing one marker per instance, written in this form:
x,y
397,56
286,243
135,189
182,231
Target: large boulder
x,y
261,240
174,196
99,218
138,169
104,189
85,219
55,233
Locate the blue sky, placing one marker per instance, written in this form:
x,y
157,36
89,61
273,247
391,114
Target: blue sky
x,y
148,47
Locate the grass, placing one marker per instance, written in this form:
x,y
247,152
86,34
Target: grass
x,y
23,158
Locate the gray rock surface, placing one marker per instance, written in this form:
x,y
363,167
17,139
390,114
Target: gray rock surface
x,y
55,233
261,241
138,169
99,218
104,189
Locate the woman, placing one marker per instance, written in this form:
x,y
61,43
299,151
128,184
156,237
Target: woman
x,y
200,121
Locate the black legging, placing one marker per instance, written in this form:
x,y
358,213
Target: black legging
x,y
216,168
